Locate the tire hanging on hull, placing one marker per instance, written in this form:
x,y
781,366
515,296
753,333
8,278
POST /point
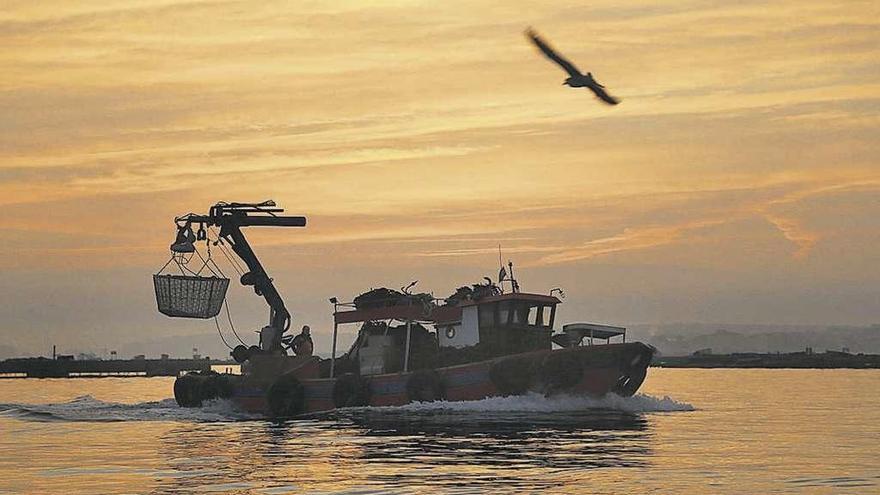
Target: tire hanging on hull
x,y
186,390
425,386
512,376
560,371
215,386
351,390
286,397
192,389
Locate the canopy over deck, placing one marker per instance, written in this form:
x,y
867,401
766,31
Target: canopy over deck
x,y
415,312
594,330
574,333
516,296
429,313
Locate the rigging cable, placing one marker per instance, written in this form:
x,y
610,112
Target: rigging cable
x,y
225,300
229,318
225,250
211,259
217,324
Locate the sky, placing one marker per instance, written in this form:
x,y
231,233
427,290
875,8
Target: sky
x,y
736,182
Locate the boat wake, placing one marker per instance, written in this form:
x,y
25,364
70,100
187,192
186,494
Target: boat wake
x,y
533,402
88,408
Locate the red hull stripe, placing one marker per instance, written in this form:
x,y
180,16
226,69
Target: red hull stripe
x,y
463,377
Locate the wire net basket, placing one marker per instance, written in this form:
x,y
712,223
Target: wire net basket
x,y
188,296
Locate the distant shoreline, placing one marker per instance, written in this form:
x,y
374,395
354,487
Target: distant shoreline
x,y
796,360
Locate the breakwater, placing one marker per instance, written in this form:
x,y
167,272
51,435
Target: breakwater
x,y
828,359
69,368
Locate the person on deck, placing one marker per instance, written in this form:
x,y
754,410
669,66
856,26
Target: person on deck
x,y
302,344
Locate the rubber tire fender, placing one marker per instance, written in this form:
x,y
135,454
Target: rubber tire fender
x,y
286,397
215,386
559,371
187,390
351,390
512,376
240,354
425,386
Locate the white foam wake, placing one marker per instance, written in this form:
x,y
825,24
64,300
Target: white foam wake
x,y
88,408
533,402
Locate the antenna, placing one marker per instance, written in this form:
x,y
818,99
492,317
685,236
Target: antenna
x,y
513,283
502,274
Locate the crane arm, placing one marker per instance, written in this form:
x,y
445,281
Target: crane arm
x,y
230,218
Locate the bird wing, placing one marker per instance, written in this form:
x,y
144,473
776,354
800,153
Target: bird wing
x,y
544,47
599,90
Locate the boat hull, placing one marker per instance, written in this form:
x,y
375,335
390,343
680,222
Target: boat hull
x,y
581,371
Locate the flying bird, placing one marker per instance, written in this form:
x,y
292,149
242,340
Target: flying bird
x,y
576,79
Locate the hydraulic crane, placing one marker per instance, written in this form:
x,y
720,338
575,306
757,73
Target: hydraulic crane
x,y
230,218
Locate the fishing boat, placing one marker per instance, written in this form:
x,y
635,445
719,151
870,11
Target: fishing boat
x,y
484,340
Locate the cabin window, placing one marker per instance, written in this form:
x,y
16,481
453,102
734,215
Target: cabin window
x,y
507,313
532,312
504,313
487,315
522,314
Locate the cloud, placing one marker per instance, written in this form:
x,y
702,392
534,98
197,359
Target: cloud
x,y
792,228
630,239
795,232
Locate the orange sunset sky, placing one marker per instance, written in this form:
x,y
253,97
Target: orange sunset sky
x,y
737,181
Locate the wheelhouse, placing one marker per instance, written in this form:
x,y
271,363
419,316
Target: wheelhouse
x,y
490,326
503,324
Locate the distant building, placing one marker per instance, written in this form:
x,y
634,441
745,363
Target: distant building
x,y
164,356
139,357
64,357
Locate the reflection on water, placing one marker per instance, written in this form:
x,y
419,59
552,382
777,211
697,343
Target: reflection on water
x,y
556,440
753,431
402,449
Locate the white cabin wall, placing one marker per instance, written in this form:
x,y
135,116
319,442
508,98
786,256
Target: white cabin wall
x,y
372,357
466,333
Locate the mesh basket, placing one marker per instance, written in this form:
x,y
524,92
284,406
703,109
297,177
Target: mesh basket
x,y
186,296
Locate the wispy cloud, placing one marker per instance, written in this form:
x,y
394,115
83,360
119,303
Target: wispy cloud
x,y
795,232
631,239
793,228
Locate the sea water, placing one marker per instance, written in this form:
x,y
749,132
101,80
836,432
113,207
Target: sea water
x,y
688,431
